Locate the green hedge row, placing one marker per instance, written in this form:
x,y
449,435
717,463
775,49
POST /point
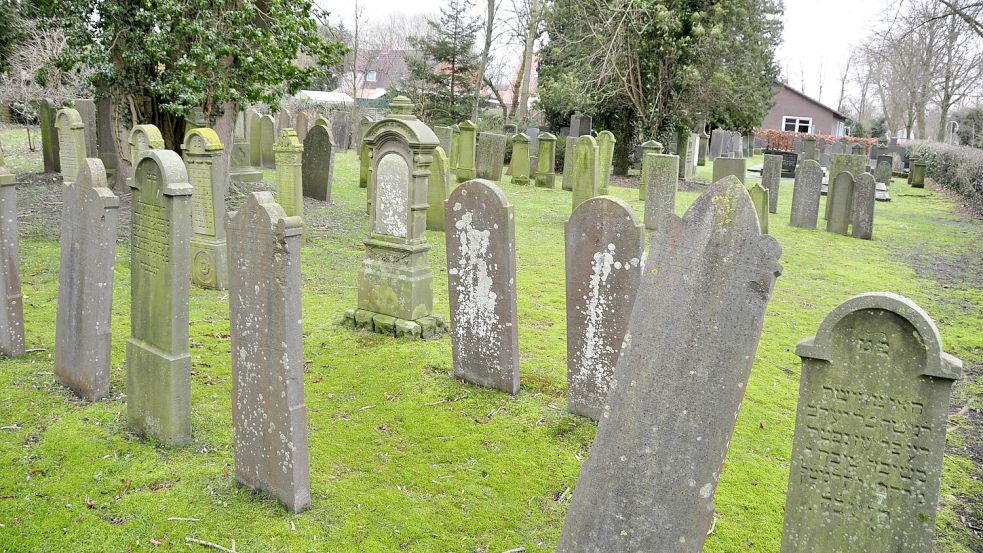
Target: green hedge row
x,y
957,168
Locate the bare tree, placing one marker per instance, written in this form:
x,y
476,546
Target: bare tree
x,y
39,51
479,82
844,78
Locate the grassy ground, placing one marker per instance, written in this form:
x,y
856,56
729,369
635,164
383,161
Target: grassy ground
x,y
403,456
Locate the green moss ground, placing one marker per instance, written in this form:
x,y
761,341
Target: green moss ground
x,y
404,457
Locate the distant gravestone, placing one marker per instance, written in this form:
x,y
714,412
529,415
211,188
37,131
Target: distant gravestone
x,y
106,140
580,125
465,151
520,159
884,168
918,174
683,151
869,430
158,364
143,137
855,164
759,197
302,124
240,160
438,188
255,137
546,161
267,139
269,419
481,286
648,147
317,163
719,139
809,149
452,153
806,194
605,244
732,166
87,111
83,327
862,212
47,112
649,481
444,136
840,200
704,150
737,144
289,173
12,314
533,134
605,155
71,143
857,149
284,121
568,148
660,198
490,158
364,161
203,159
584,170
771,178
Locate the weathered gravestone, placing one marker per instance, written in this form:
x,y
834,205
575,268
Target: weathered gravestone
x,y
862,211
87,112
240,160
580,125
105,139
83,327
660,198
267,140
648,147
284,121
438,188
869,430
855,164
302,124
884,169
395,285
12,314
584,174
203,159
444,136
71,143
685,152
546,161
771,179
364,154
158,364
452,153
317,163
481,285
605,244
840,200
47,112
255,136
805,195
809,149
857,149
648,483
730,166
269,419
704,149
491,156
918,174
605,155
719,140
759,197
143,137
290,173
520,159
465,151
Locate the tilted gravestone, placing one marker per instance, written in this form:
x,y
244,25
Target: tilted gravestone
x,y
240,160
465,151
655,462
840,200
143,137
47,112
546,161
481,285
723,167
12,314
869,430
855,164
884,168
158,364
83,327
771,179
605,155
605,244
520,159
491,156
862,211
203,153
395,284
759,197
317,163
584,174
438,188
364,154
648,147
87,111
71,143
806,194
288,152
269,419
660,198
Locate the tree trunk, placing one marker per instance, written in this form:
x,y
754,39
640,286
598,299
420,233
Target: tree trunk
x,y
523,100
484,60
225,128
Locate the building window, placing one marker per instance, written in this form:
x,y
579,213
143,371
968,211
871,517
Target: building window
x,y
370,76
797,124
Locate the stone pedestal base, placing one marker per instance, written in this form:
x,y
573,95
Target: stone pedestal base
x,y
421,329
245,174
158,393
209,263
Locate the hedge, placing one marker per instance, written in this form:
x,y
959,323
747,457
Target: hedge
x,y
957,168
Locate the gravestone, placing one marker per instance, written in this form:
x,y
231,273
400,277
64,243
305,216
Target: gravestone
x,y
809,148
143,137
840,200
584,170
481,286
605,245
884,168
580,125
648,147
269,419
438,188
685,155
855,164
491,156
520,159
12,314
290,173
869,430
736,166
444,136
284,121
47,112
759,197
317,163
341,128
805,195
267,139
255,136
737,143
568,147
648,483
918,174
857,149
874,151
83,327
71,143
660,198
395,284
719,140
771,179
465,151
862,211
105,141
87,112
704,150
798,146
880,192
302,124
209,255
605,155
240,162
825,154
452,154
546,161
364,153
158,364
533,134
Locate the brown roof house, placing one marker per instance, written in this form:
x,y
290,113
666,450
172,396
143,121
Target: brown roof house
x,y
796,112
376,72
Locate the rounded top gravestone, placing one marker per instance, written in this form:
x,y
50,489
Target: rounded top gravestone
x,y
202,141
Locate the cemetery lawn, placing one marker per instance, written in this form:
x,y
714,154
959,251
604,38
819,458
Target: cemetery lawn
x,y
404,457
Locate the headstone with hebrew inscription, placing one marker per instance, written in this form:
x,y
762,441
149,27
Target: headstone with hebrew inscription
x,y
317,163
656,459
203,159
71,143
269,419
585,173
438,188
546,161
660,198
143,137
288,152
12,314
870,430
83,326
481,285
605,155
605,244
771,178
158,363
805,195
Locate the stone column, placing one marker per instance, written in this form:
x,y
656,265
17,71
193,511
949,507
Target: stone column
x,y
288,153
465,151
546,161
520,159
